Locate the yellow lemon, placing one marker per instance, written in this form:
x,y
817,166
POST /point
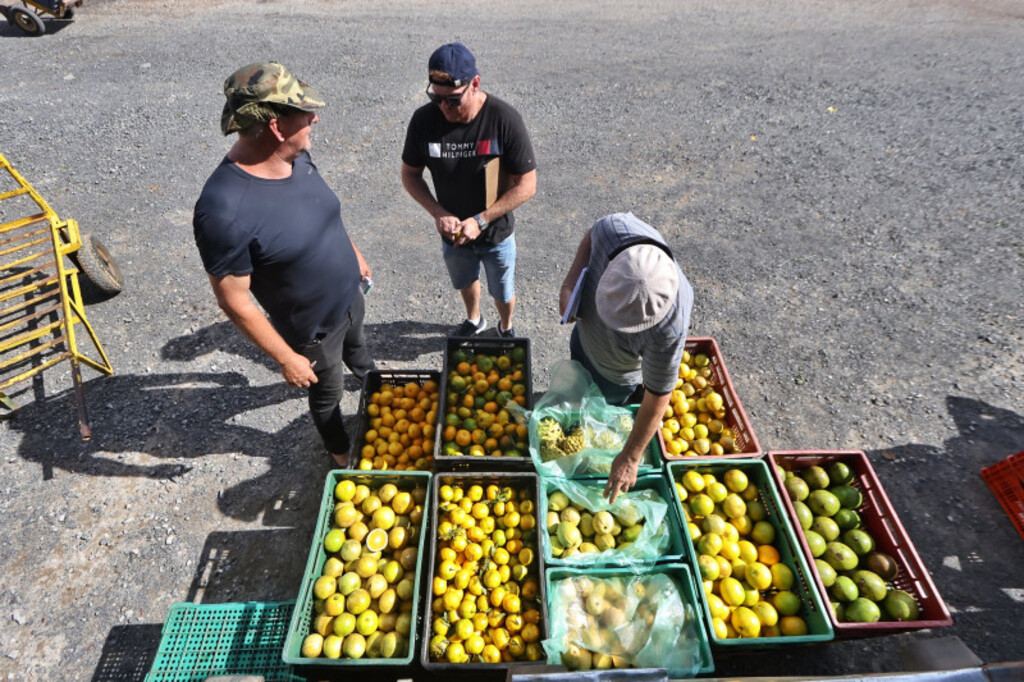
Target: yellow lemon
x,y
782,576
745,622
693,481
758,575
345,490
787,603
731,591
793,626
766,613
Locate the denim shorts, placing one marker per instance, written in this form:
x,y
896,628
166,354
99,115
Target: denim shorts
x,y
499,261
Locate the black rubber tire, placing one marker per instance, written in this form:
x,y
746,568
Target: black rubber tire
x,y
97,266
28,22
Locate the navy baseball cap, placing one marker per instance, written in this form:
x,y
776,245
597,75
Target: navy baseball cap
x,y
452,65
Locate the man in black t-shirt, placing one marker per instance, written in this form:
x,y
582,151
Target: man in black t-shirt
x,y
455,135
266,223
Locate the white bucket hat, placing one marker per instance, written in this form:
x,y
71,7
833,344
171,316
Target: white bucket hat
x,y
638,289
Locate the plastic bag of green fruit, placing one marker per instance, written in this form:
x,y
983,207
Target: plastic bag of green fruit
x,y
584,529
609,619
573,430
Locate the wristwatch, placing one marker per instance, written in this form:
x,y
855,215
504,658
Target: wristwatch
x,y
479,218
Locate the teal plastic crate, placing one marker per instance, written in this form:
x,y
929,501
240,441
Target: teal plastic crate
x,y
302,615
680,573
650,464
200,641
812,610
676,550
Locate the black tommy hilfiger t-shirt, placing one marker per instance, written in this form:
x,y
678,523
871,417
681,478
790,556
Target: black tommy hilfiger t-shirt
x,y
456,154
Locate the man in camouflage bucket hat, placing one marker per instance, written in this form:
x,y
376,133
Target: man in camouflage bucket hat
x,y
256,92
266,223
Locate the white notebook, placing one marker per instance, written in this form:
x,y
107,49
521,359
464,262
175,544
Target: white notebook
x,y
574,300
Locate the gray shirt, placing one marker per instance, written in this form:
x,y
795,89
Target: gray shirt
x,y
650,357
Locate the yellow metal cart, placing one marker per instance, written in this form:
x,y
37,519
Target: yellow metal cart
x,y
30,17
40,297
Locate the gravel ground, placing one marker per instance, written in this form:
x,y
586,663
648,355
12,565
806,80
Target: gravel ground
x,y
841,183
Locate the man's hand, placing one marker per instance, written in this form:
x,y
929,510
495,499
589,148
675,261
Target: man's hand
x,y
447,227
297,371
622,476
468,230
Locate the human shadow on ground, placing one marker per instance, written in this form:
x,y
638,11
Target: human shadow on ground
x,y
387,341
178,417
188,415
405,341
956,525
220,336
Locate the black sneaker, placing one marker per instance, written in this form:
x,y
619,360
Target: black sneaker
x,y
509,333
467,328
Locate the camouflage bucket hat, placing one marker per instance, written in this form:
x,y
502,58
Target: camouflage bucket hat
x,y
253,90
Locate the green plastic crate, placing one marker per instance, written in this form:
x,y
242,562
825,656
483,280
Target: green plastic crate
x,y
819,626
676,550
199,641
302,615
681,575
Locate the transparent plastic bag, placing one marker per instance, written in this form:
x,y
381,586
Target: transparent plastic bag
x,y
576,403
623,620
643,508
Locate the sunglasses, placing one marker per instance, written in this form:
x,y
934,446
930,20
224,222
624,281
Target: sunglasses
x,y
453,100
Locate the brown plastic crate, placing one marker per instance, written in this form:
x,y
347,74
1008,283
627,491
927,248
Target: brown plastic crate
x,y
1006,480
513,479
491,346
747,444
880,520
374,380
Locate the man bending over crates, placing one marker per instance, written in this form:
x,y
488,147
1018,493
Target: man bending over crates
x,y
631,321
267,223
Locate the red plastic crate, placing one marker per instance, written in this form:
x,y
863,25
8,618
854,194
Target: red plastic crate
x,y
1006,480
879,519
735,418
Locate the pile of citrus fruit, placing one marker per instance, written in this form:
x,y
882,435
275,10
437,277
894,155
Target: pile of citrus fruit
x,y
747,587
486,592
476,419
364,596
694,422
400,427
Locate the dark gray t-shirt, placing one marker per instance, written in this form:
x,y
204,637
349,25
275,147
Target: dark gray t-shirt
x,y
289,237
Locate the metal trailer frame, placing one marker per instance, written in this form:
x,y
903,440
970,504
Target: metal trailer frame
x,y
40,298
30,19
